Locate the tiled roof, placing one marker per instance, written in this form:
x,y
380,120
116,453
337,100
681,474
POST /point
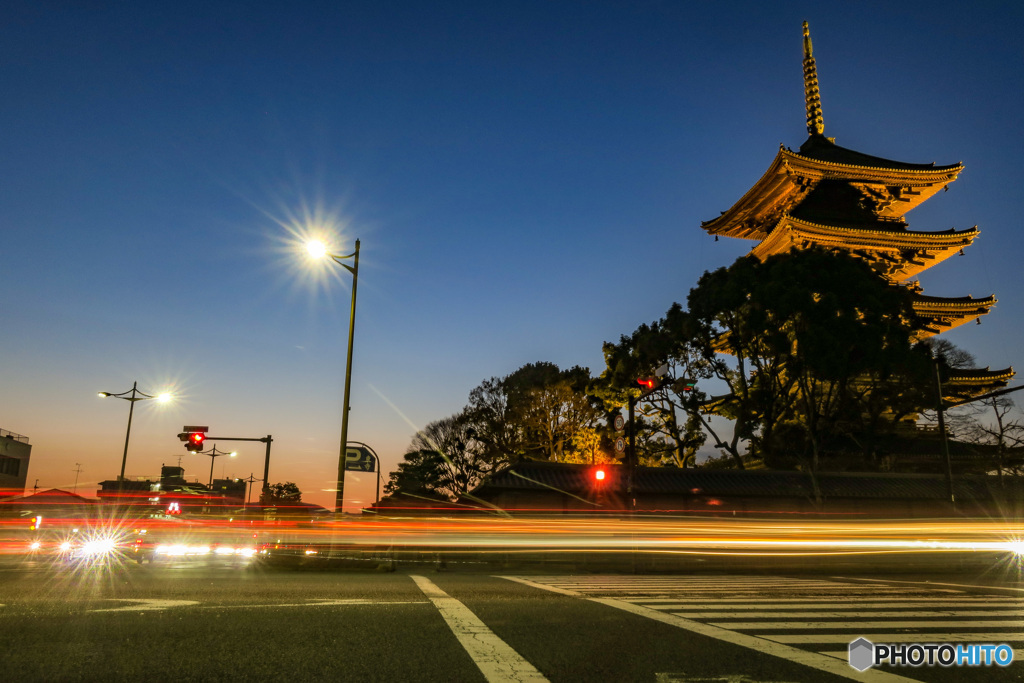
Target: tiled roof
x,y
821,149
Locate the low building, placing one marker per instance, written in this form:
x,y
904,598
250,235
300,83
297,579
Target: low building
x,y
49,504
173,494
15,452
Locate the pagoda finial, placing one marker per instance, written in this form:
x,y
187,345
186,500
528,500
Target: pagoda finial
x,y
815,120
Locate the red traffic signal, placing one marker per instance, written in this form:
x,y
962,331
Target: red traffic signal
x,y
195,441
648,383
599,475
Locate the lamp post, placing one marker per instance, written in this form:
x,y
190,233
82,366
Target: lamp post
x,y
318,250
214,454
132,396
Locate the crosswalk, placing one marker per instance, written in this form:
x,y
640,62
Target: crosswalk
x,y
787,616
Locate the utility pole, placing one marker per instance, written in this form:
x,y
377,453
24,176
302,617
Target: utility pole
x,y
248,493
77,471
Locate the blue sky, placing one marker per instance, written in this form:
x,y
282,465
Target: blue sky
x,y
527,180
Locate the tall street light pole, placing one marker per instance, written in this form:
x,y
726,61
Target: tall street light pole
x,y
318,250
132,396
214,454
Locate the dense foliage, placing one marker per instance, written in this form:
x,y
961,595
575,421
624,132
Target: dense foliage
x,y
802,359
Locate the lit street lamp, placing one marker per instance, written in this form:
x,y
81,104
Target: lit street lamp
x,y
132,396
214,454
318,250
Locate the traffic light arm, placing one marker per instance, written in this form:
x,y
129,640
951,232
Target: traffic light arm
x,y
268,439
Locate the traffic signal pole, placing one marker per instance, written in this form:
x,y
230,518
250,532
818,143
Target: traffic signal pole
x,y
268,439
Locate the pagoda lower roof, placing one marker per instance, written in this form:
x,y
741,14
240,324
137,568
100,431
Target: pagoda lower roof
x,y
892,188
939,314
969,382
900,253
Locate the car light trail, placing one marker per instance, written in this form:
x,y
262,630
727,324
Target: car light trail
x,y
653,534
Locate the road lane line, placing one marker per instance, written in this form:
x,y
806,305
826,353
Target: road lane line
x,y
931,583
775,649
319,603
145,604
841,615
814,603
902,638
861,625
845,654
497,661
933,603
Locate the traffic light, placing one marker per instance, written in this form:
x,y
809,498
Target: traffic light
x,y
195,441
599,475
649,383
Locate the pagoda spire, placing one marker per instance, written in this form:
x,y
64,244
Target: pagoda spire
x,y
815,120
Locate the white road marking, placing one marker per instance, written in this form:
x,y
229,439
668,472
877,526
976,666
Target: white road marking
x,y
845,654
825,592
776,649
902,638
814,603
146,604
725,585
858,625
728,678
842,615
497,661
321,603
818,603
928,584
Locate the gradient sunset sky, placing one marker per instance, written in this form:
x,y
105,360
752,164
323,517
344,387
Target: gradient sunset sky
x,y
527,180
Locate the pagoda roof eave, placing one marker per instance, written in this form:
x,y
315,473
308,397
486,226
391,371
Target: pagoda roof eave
x,y
822,149
886,246
940,314
944,303
791,176
968,375
971,382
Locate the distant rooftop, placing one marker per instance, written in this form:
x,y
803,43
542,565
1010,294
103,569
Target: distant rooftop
x,y
14,437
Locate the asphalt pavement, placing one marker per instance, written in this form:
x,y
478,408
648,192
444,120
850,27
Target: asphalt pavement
x,y
196,621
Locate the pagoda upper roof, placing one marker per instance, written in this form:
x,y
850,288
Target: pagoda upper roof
x,y
899,253
890,188
825,149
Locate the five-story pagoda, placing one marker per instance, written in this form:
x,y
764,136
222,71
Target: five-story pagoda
x,y
836,198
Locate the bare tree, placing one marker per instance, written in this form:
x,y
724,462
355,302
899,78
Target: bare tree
x,y
1005,432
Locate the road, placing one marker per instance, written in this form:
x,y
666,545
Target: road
x,y
204,621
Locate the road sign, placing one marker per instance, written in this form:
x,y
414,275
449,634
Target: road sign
x,y
359,459
620,445
186,428
619,423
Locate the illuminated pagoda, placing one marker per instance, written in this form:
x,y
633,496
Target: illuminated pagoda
x,y
835,198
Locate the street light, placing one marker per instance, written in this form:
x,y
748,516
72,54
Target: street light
x,y
318,250
133,396
214,454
